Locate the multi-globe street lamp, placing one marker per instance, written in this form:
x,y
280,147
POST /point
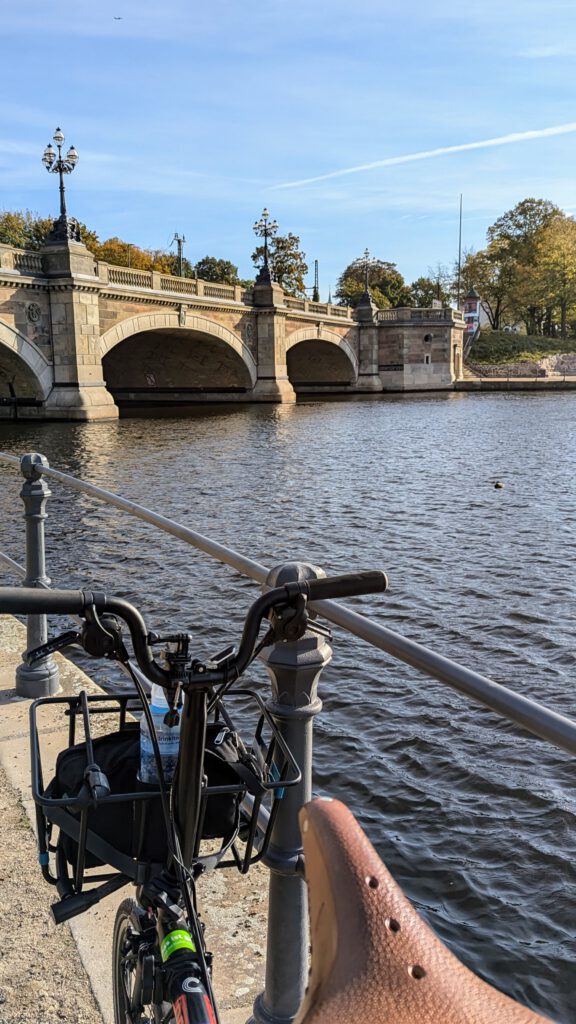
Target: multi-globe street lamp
x,y
61,165
265,228
367,264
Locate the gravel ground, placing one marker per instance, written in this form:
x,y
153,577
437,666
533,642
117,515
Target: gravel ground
x,y
42,979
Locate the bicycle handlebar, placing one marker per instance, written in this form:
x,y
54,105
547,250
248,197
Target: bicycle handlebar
x,y
352,584
30,601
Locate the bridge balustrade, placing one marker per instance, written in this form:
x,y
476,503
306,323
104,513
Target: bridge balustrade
x,y
407,314
184,285
28,261
130,277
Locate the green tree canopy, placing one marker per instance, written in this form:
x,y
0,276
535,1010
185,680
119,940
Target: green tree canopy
x,y
426,290
287,263
555,278
518,229
386,284
211,269
26,230
173,264
513,274
494,276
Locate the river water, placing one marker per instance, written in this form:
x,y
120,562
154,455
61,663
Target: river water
x,y
474,818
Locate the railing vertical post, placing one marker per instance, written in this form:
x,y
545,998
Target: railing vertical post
x,y
294,668
41,679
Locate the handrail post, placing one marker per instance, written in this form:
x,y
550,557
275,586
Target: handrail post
x,y
41,679
294,669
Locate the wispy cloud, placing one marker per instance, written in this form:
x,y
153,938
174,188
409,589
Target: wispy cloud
x,y
555,51
428,154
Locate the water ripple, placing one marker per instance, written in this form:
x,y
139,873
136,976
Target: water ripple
x,y
475,819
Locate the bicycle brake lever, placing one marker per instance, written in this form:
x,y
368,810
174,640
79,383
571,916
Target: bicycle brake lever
x,y
72,636
221,658
316,627
290,621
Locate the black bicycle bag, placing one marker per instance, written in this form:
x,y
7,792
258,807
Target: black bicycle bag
x,y
226,762
135,827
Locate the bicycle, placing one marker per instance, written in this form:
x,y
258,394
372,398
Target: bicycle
x,y
161,965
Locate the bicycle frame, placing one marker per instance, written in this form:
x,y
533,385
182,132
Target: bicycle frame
x,y
185,973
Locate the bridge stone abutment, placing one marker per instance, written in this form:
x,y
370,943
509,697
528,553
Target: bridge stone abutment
x,y
272,384
78,389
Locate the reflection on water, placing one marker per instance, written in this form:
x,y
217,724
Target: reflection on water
x,y
475,819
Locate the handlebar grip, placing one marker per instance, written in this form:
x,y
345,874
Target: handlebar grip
x,y
37,601
373,581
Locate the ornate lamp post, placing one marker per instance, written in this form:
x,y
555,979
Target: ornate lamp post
x,y
367,263
366,306
64,228
265,228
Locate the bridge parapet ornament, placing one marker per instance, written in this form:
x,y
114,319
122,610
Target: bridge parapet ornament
x,y
33,312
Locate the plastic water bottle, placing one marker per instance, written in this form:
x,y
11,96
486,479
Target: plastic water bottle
x,y
168,741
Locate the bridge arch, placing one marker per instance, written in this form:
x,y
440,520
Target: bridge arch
x,y
23,364
324,359
173,322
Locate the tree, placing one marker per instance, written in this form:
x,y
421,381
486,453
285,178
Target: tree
x,y
123,254
556,266
517,232
221,271
519,228
26,230
426,290
15,228
287,263
493,274
172,263
386,284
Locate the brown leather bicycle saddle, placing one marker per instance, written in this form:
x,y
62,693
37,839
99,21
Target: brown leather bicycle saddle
x,y
374,960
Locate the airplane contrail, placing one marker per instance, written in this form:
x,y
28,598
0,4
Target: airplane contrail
x,y
427,154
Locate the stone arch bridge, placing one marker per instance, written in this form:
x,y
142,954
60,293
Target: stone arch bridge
x,y
82,340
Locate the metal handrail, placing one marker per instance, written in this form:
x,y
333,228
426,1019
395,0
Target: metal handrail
x,y
19,569
527,713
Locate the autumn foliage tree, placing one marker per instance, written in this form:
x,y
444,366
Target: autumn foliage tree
x,y
527,272
26,230
555,279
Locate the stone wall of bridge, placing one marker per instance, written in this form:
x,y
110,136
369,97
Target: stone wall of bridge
x,y
82,340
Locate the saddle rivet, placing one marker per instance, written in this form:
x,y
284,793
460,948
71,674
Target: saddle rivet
x,y
416,971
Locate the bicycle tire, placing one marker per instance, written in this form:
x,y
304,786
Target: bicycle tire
x,y
124,963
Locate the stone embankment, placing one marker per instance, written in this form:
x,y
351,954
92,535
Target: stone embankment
x,y
548,366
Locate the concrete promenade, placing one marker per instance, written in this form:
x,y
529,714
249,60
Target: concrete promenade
x,y
62,974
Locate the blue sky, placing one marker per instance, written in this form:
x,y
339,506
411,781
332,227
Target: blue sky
x,y
191,117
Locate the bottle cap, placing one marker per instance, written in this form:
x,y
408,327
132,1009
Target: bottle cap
x,y
158,698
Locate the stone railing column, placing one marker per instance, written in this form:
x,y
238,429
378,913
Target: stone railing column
x,y
294,669
41,679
